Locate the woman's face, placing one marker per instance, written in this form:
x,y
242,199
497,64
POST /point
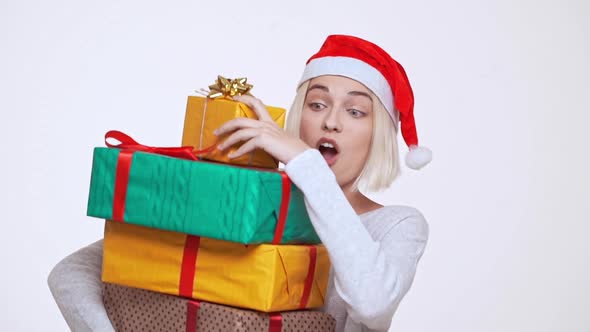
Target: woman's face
x,y
337,119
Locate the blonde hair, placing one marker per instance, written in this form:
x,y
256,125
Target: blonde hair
x,y
382,165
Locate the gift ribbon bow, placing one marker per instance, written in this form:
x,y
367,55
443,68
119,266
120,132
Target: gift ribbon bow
x,y
225,87
128,147
128,143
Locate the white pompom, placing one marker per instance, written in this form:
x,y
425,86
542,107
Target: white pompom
x,y
418,157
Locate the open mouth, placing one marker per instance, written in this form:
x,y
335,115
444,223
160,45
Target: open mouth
x,y
329,150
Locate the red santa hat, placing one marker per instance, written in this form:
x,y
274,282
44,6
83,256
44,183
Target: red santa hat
x,y
370,65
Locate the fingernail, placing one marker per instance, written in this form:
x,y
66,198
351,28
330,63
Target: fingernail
x,y
220,147
230,155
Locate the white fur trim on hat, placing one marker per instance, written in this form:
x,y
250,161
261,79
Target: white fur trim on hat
x,y
357,70
418,157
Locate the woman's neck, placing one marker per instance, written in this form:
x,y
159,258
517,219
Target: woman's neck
x,y
359,202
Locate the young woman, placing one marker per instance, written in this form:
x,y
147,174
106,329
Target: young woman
x,y
341,137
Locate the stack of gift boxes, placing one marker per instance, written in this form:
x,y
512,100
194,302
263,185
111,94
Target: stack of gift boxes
x,y
197,241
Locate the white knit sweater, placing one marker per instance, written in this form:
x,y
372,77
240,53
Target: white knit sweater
x,y
373,256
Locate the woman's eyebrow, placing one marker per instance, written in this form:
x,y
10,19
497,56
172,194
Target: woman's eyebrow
x,y
318,86
360,93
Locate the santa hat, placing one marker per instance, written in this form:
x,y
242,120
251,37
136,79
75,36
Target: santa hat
x,y
370,65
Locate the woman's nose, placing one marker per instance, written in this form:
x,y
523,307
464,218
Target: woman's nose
x,y
332,122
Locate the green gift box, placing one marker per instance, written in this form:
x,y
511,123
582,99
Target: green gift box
x,y
226,202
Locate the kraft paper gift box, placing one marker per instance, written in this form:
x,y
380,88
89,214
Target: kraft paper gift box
x,y
263,277
220,201
133,309
204,115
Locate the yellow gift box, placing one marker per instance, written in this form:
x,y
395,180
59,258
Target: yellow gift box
x,y
204,115
261,277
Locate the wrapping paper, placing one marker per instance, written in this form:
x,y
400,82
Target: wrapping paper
x,y
264,277
225,202
132,309
204,115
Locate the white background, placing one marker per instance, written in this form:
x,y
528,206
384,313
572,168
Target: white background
x,y
501,98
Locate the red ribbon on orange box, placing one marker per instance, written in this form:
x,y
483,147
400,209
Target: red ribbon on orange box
x,y
309,279
189,265
188,270
129,146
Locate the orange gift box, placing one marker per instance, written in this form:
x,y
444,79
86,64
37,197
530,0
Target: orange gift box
x,y
204,115
264,277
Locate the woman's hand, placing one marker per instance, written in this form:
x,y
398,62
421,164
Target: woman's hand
x,y
263,134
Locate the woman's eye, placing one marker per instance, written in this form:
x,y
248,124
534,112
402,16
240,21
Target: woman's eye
x,y
316,106
356,113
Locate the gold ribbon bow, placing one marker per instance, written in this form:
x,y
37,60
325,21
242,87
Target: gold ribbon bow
x,y
225,87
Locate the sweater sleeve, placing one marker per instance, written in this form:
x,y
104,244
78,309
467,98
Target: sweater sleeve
x,y
371,273
77,289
